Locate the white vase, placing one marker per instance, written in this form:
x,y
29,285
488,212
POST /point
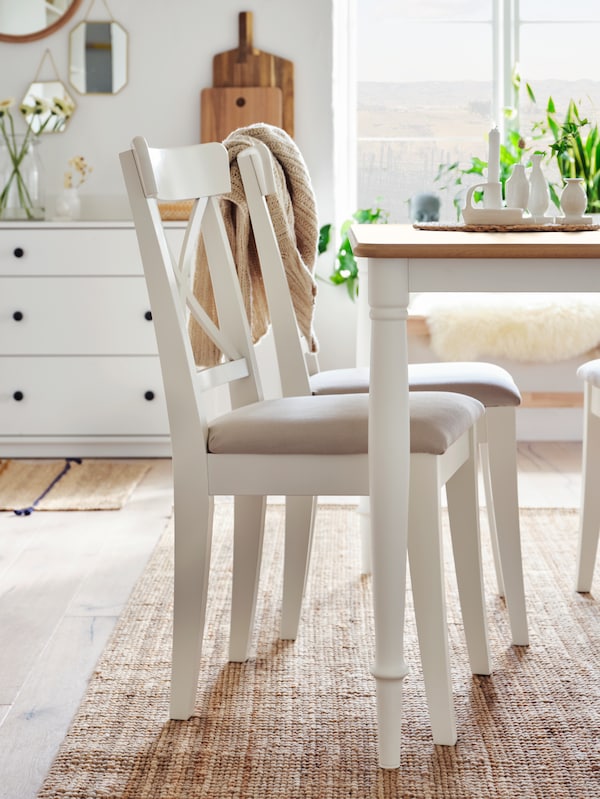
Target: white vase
x,y
517,188
68,204
539,194
573,200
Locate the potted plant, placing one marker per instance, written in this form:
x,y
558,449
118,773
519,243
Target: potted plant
x,y
345,269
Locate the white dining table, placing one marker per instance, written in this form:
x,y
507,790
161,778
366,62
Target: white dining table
x,y
402,259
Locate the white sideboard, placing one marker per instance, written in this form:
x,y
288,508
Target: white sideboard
x,y
79,368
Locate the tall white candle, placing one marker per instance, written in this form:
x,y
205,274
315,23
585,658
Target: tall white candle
x,y
493,171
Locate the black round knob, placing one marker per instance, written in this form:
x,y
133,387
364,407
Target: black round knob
x,y
18,396
148,316
240,102
18,252
149,395
17,316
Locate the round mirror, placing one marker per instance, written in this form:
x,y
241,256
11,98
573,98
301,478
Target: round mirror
x,y
27,20
98,57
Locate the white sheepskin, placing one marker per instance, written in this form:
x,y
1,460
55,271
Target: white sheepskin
x,y
541,328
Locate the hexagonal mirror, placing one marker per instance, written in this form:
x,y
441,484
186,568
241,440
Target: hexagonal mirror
x,y
48,106
98,57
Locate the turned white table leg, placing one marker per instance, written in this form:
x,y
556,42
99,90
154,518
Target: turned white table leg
x,y
389,453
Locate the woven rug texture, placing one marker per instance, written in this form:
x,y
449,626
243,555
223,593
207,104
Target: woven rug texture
x,y
298,719
95,484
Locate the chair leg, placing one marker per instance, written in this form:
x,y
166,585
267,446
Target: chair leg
x,y
484,460
463,513
364,518
429,595
502,452
248,529
589,522
299,524
193,518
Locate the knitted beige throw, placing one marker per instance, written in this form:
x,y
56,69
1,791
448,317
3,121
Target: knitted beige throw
x,y
294,215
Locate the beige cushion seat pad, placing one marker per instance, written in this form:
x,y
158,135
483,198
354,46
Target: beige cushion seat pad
x,y
337,424
490,384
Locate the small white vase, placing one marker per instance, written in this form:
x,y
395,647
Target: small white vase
x,y
539,194
517,188
573,200
68,204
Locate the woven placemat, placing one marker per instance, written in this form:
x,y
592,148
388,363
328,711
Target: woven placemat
x,y
297,721
525,228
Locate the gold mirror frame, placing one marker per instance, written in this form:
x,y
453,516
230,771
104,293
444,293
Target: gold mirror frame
x,y
107,71
39,34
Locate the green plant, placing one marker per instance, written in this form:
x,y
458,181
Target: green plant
x,y
345,269
576,149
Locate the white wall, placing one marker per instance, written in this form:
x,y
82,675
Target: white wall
x,y
171,46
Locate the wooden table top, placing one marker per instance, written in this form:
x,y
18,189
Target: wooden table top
x,y
405,241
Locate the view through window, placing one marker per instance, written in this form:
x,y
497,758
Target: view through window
x,y
433,76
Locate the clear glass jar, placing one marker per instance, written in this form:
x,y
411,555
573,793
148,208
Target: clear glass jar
x,y
21,179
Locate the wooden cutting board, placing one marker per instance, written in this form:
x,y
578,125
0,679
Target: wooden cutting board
x,y
246,67
224,110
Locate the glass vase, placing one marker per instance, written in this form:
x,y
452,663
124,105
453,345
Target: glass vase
x,y
21,179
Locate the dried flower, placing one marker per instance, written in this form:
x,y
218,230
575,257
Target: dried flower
x,y
79,174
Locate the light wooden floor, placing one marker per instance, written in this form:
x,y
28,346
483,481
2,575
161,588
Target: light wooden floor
x,y
65,577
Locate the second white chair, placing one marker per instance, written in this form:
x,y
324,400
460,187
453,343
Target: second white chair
x,y
490,384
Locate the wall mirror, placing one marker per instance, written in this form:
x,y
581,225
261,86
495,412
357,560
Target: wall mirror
x,y
27,20
98,57
51,106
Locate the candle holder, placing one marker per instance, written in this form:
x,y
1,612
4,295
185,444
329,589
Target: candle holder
x,y
496,214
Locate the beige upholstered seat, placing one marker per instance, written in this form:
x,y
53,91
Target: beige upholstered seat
x,y
293,446
337,423
492,385
589,523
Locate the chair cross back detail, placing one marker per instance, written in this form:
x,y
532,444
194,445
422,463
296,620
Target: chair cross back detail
x,y
171,174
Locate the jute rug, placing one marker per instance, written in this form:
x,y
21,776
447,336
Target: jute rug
x,y
298,720
68,484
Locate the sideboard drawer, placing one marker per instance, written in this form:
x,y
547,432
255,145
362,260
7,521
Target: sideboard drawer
x,y
76,250
69,252
75,316
82,396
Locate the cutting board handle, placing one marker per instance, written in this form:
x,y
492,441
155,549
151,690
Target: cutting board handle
x,y
245,35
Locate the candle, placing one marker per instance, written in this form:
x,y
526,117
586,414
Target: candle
x,y
493,171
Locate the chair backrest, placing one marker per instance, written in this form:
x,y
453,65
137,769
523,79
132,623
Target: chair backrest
x,y
256,171
199,173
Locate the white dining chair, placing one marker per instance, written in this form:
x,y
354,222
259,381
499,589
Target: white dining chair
x,y
291,446
492,385
589,522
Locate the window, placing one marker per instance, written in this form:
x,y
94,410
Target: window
x,y
434,75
